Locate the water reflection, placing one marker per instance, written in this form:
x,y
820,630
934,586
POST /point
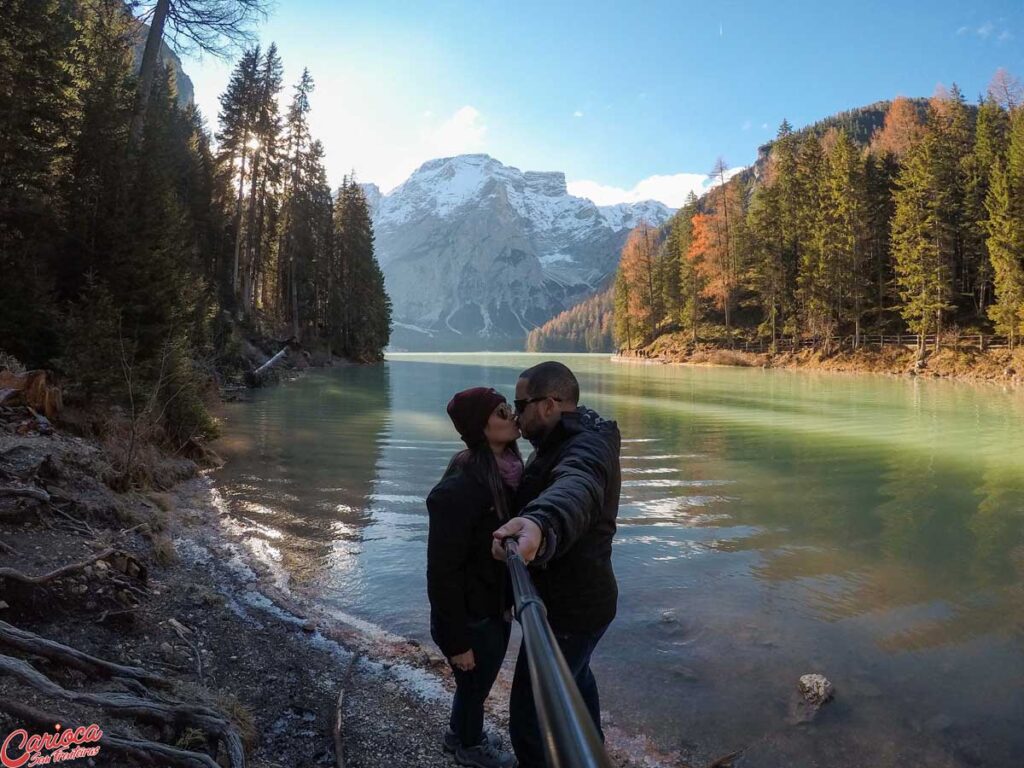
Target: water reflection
x,y
301,468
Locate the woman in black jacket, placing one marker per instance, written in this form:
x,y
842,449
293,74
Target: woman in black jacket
x,y
466,585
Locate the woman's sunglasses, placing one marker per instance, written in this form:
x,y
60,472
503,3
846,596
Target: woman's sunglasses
x,y
504,411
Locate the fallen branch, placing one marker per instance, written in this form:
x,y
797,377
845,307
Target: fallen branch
x,y
139,750
128,705
28,642
337,731
12,573
82,525
180,631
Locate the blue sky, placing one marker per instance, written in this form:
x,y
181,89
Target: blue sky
x,y
630,100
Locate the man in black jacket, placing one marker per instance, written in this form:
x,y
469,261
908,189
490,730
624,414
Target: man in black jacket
x,y
568,501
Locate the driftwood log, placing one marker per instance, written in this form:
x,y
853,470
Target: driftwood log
x,y
139,750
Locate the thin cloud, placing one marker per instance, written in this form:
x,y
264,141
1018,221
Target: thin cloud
x,y
578,113
670,189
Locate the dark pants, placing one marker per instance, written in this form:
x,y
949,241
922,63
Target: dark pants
x,y
489,638
523,727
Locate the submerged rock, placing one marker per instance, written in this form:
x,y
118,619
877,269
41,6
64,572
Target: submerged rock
x,y
816,689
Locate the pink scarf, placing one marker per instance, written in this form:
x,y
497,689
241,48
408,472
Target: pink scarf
x,y
511,468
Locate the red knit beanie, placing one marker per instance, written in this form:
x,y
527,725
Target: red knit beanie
x,y
470,410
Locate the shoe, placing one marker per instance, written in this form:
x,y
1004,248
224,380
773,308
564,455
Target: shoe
x,y
484,755
451,741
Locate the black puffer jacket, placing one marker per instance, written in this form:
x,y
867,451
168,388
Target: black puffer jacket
x,y
464,581
571,488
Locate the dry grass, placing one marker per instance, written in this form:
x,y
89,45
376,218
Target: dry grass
x,y
163,549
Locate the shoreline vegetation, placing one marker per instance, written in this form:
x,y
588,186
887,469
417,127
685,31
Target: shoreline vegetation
x,y
968,359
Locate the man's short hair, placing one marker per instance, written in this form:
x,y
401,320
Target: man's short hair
x,y
552,378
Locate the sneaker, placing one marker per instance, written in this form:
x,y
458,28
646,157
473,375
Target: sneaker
x,y
484,755
451,740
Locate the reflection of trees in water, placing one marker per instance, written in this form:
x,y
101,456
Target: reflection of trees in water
x,y
916,540
302,463
993,542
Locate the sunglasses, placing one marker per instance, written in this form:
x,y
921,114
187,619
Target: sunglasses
x,y
504,411
521,404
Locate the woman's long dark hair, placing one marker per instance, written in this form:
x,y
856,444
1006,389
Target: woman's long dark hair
x,y
480,462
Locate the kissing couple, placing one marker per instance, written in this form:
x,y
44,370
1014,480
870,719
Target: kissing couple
x,y
561,508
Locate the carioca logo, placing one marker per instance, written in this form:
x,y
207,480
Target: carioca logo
x,y
32,745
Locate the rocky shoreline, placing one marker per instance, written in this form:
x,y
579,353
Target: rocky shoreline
x,y
226,660
1002,366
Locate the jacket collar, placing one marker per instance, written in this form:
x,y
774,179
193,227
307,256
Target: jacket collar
x,y
568,424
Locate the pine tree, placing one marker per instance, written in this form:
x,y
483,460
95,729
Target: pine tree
x,y
362,312
39,113
237,140
810,277
768,253
923,266
1005,227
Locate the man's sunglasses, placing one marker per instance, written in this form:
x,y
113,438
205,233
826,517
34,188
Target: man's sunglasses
x,y
521,404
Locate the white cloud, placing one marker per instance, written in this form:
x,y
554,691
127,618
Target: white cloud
x,y
672,190
578,113
463,132
985,29
387,151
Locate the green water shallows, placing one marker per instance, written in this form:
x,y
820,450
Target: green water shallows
x,y
773,523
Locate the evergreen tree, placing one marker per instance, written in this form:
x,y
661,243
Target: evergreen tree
x,y
362,309
1005,227
922,263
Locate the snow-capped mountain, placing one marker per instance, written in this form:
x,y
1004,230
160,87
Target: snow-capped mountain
x,y
476,253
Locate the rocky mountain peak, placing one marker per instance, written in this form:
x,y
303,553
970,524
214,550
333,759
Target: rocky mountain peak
x,y
476,253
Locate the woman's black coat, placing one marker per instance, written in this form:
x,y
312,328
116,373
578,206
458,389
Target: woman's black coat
x,y
464,581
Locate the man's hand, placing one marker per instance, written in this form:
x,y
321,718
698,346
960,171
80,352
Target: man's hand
x,y
528,537
464,661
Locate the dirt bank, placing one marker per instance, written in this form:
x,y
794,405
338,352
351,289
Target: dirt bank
x,y
995,365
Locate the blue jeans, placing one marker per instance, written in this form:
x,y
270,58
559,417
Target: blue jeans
x,y
523,728
489,639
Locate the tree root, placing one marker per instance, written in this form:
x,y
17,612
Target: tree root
x,y
29,642
139,750
28,492
12,573
128,705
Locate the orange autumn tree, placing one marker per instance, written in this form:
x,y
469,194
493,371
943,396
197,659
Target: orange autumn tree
x,y
639,304
714,250
902,130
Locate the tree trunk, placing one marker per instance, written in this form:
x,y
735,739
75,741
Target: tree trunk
x,y
238,218
148,68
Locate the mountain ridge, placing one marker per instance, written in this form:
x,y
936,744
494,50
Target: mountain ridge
x,y
477,253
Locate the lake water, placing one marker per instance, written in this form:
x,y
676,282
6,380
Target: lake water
x,y
773,523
